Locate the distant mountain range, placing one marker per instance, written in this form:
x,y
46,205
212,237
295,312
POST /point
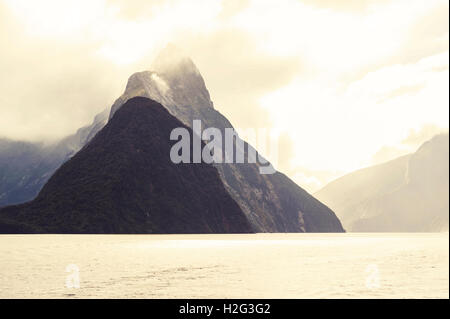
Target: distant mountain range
x,y
270,203
124,182
408,194
25,167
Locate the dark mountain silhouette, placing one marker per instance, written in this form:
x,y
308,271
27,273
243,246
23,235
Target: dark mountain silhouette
x,y
123,181
272,203
407,194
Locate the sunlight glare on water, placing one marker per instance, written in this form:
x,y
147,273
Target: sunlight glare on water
x,y
225,266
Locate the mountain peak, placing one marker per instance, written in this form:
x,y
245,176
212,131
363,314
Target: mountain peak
x,y
174,81
182,76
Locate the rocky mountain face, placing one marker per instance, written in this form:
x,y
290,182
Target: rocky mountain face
x,y
175,82
408,194
123,181
25,167
272,203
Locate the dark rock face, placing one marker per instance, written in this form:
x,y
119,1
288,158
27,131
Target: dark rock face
x,y
123,181
408,194
272,203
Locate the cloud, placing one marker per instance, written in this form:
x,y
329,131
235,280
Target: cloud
x,y
417,137
387,153
69,61
313,180
340,128
345,45
339,79
47,89
408,145
309,179
237,74
346,5
310,183
428,34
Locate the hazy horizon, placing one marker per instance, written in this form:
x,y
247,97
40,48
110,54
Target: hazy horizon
x,y
346,85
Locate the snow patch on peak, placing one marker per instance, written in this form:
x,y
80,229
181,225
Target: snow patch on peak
x,y
162,85
174,81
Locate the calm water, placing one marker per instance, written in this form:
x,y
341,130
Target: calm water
x,y
225,266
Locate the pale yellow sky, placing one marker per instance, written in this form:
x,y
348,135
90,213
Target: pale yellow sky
x,y
346,83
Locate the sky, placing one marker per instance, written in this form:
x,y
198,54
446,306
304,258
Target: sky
x,y
345,84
